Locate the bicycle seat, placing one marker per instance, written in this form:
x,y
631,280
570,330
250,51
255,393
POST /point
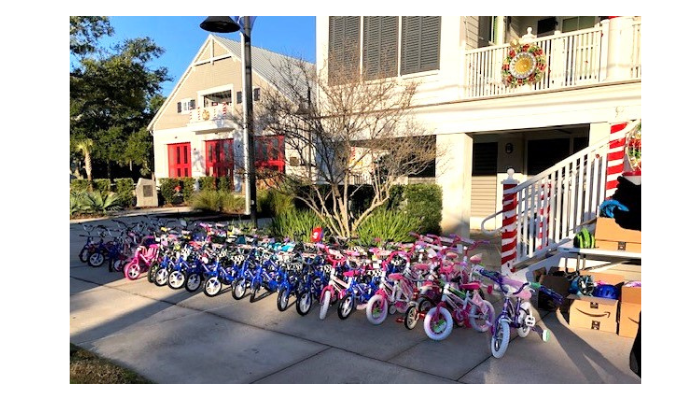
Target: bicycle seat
x,y
475,259
470,286
350,274
352,253
420,267
395,276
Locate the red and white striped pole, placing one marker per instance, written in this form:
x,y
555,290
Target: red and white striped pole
x,y
508,228
616,158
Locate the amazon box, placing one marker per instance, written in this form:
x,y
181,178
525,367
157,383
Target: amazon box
x,y
611,236
594,313
630,307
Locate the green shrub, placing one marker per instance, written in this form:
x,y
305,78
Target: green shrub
x,y
262,202
187,189
167,189
125,190
103,186
207,183
96,203
77,202
207,200
231,203
281,202
225,184
388,225
79,185
425,201
295,224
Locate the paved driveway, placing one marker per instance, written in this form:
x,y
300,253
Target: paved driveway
x,y
178,337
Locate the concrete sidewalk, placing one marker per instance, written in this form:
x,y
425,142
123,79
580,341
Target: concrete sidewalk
x,y
179,337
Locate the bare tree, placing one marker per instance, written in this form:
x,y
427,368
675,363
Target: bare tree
x,y
346,132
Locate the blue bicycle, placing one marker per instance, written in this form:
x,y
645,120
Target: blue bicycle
x,y
222,272
312,281
267,276
244,275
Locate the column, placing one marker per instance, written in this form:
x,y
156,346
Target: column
x,y
454,175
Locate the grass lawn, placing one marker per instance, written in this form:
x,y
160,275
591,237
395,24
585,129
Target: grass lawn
x,y
86,367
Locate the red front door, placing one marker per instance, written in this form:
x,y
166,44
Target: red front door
x,y
179,160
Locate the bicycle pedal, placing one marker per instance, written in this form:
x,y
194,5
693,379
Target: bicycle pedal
x,y
399,320
530,321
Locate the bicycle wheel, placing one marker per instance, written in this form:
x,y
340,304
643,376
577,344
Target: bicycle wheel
x,y
283,299
161,277
132,271
239,289
193,281
346,306
410,319
84,254
481,318
152,271
212,287
303,304
500,338
377,309
253,291
176,279
524,319
325,303
438,326
96,259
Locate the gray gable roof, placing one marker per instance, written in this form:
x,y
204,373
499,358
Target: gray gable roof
x,y
265,63
268,65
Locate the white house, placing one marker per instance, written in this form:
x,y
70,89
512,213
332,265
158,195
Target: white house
x,y
592,81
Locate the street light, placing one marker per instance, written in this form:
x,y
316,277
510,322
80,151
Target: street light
x,y
228,25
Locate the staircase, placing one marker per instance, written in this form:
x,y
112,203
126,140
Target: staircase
x,y
546,211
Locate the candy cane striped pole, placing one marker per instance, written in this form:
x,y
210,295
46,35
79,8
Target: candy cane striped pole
x,y
616,157
508,229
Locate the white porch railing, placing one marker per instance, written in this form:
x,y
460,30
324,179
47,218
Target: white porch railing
x,y
213,113
574,59
552,206
637,49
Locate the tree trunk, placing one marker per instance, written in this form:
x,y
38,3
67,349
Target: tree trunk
x,y
88,168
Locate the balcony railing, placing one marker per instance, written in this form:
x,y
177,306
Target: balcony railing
x,y
212,119
574,59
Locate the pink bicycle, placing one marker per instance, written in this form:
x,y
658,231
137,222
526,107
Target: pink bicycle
x,y
396,290
142,260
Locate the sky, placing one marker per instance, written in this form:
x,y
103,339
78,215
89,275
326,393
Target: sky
x,y
181,38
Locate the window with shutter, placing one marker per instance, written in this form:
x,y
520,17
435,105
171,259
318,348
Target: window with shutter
x,y
192,104
344,47
420,44
239,97
256,94
380,46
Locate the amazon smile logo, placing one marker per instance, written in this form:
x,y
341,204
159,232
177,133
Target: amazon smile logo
x,y
605,314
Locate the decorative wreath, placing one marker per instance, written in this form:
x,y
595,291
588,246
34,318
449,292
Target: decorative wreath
x,y
524,63
205,115
634,148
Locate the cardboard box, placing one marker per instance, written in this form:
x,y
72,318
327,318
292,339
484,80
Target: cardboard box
x,y
557,283
630,307
595,313
611,236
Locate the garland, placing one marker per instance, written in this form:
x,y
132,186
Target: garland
x,y
524,63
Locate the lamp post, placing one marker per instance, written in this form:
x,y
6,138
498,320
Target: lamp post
x,y
228,25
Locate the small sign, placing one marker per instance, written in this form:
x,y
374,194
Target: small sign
x,y
147,191
595,325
